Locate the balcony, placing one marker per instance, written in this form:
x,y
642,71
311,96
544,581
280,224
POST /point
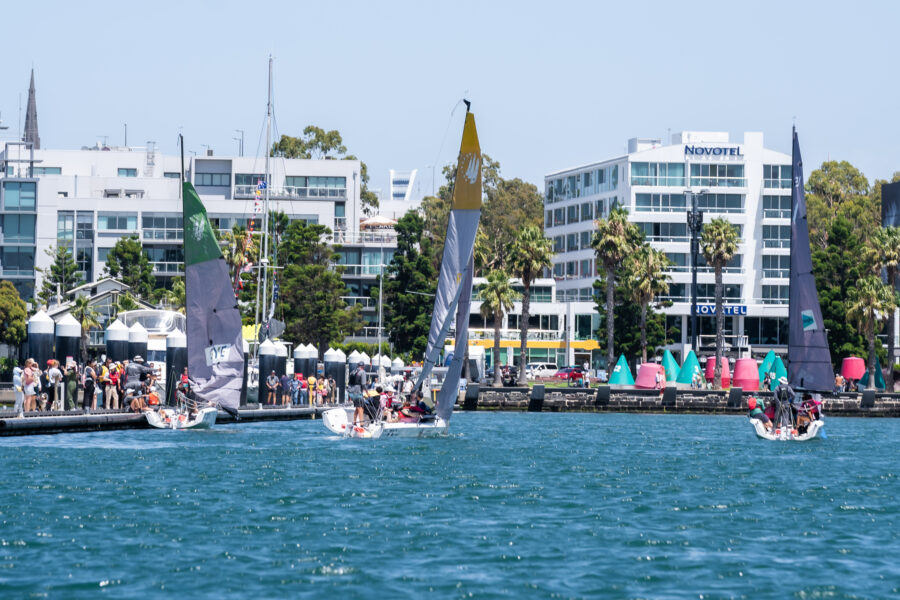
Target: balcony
x,y
784,301
293,193
537,335
16,272
168,268
776,213
381,237
364,301
776,273
357,269
777,184
160,235
777,243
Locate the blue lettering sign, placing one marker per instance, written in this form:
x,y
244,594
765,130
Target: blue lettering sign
x,y
727,309
715,151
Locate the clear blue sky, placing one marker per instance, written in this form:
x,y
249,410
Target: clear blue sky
x,y
554,84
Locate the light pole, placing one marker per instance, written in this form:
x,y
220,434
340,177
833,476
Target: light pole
x,y
695,224
240,141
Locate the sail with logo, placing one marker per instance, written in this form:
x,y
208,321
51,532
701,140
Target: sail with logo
x,y
809,358
214,343
454,291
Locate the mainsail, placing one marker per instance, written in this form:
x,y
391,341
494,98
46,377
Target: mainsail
x,y
454,291
809,359
214,344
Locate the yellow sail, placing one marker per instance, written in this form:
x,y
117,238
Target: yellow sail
x,y
467,187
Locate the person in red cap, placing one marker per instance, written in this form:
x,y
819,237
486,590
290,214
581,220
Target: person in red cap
x,y
757,411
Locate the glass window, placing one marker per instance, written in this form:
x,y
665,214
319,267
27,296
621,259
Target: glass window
x,y
213,179
340,209
559,216
572,242
777,207
248,178
657,174
65,225
721,203
587,211
127,173
586,240
776,236
775,294
19,195
295,181
172,175
659,202
84,225
17,229
776,266
47,171
679,261
559,244
664,232
777,176
548,218
707,291
117,222
717,175
572,214
733,265
102,253
17,260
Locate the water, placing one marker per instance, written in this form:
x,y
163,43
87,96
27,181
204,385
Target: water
x,y
509,506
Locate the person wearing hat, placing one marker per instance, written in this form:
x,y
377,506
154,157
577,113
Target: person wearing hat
x,y
357,384
785,399
272,385
135,373
757,411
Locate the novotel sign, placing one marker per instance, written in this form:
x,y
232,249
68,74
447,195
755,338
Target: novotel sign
x,y
715,151
728,309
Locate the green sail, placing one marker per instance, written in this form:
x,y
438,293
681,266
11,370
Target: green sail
x,y
621,374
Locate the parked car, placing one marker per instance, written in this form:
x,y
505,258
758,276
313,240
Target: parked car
x,y
569,374
539,369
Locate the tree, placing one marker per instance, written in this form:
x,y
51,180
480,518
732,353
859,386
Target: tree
x,y
833,189
645,279
887,242
13,315
126,302
509,206
89,318
719,242
409,287
174,297
311,288
529,255
239,249
497,297
316,143
62,276
627,319
127,262
871,303
614,239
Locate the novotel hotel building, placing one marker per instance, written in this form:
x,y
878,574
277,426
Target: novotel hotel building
x,y
741,181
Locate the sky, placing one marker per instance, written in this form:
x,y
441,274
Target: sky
x,y
552,84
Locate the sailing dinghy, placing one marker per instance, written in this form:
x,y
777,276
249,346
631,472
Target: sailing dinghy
x,y
453,297
809,358
214,344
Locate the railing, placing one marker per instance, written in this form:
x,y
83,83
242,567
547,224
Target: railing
x,y
296,193
776,273
703,269
364,301
381,237
362,269
164,234
16,272
771,300
776,213
778,184
516,334
727,182
168,268
340,223
668,238
777,243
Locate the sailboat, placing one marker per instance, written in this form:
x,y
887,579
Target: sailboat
x,y
214,342
809,357
453,297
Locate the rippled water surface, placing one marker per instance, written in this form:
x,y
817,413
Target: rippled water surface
x,y
510,505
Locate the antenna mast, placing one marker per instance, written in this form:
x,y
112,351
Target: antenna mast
x,y
264,261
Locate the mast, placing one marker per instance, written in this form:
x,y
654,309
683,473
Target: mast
x,y
264,259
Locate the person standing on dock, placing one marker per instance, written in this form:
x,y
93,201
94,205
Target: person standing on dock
x,y
111,399
89,400
71,376
19,391
272,385
29,383
285,390
54,393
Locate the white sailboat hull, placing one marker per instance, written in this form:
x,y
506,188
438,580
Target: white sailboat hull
x,y
168,418
785,434
340,422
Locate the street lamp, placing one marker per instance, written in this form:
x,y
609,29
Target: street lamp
x,y
695,224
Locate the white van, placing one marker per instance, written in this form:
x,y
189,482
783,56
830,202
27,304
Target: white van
x,y
533,370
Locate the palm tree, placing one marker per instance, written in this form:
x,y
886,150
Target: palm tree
x,y
887,244
719,242
614,239
645,279
871,303
175,297
238,248
497,297
89,318
126,302
530,254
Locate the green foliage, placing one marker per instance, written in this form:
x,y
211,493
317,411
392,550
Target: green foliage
x,y
719,243
409,288
839,189
510,205
316,143
311,288
174,297
627,319
529,254
127,262
644,279
62,275
871,302
497,297
13,316
89,318
126,302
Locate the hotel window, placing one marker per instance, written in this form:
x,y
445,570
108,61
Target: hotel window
x,y
776,236
296,181
559,216
570,186
776,207
213,179
775,266
678,292
664,232
65,226
548,218
587,212
84,225
777,176
102,253
248,178
17,229
572,242
657,174
679,261
19,195
559,244
571,269
572,214
586,240
172,175
718,175
47,171
117,222
558,269
775,294
585,267
586,182
659,202
766,330
127,172
598,209
707,291
721,203
17,260
732,266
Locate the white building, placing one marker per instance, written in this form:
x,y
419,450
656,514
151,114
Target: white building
x,y
90,198
401,199
743,182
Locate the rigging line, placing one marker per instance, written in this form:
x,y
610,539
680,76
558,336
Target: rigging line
x,y
446,131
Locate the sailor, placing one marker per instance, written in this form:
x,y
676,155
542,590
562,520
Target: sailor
x,y
357,384
785,399
136,372
757,411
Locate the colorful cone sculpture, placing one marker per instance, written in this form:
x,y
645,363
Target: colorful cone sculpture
x,y
671,366
779,370
746,375
711,370
646,379
621,374
879,377
690,366
766,365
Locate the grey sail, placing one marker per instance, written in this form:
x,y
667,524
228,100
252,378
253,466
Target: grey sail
x,y
447,395
809,358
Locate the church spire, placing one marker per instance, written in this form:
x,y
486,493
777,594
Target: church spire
x,y
31,125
